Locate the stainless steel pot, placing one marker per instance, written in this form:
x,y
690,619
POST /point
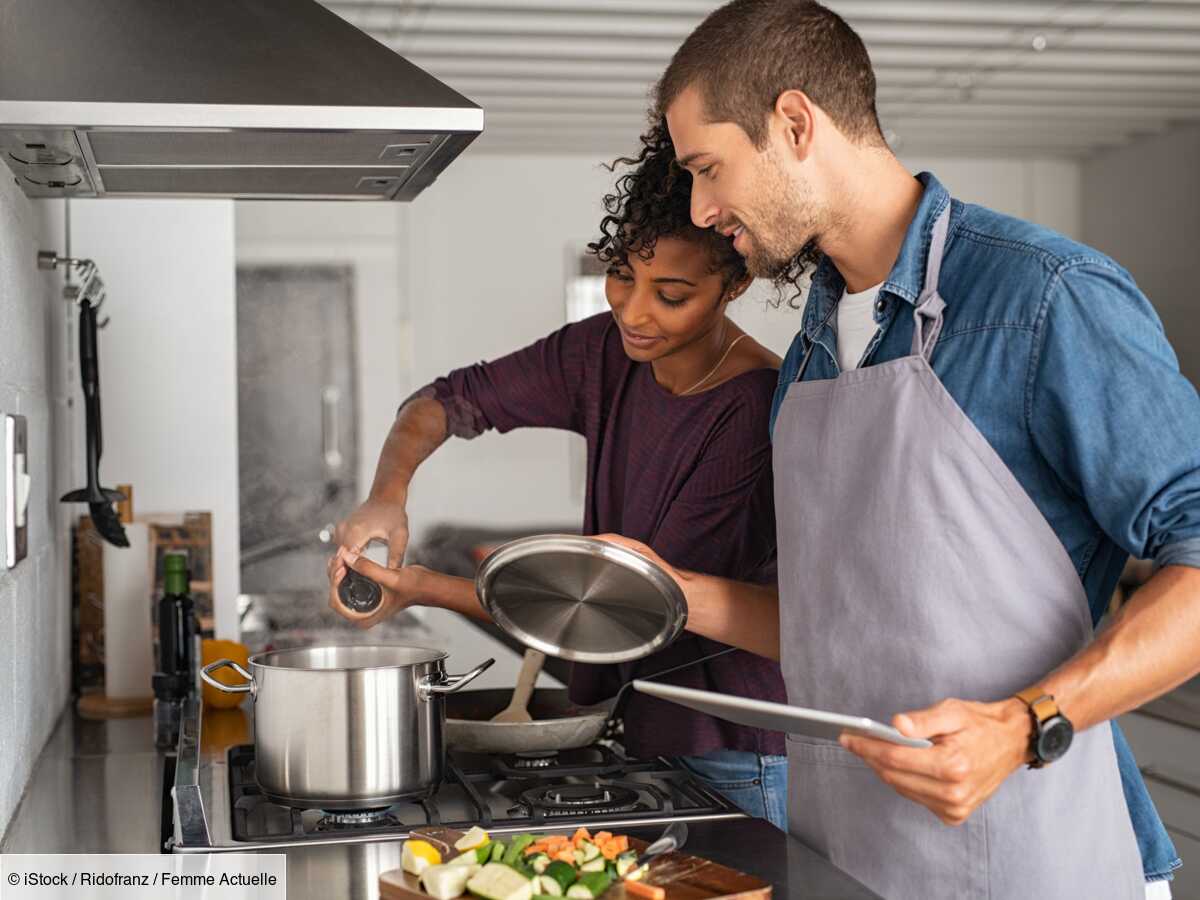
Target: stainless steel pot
x,y
347,727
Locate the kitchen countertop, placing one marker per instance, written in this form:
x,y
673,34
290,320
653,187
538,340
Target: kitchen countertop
x,y
97,787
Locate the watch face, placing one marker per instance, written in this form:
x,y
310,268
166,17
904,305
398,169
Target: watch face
x,y
1055,739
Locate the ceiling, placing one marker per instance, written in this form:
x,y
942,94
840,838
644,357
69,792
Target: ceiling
x,y
956,77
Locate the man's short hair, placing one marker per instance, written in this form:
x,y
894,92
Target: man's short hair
x,y
748,52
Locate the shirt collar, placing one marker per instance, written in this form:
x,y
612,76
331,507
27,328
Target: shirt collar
x,y
908,274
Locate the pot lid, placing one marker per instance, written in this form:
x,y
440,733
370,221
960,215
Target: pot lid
x,y
580,598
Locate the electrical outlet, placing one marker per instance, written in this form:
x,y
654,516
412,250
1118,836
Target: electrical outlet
x,y
17,485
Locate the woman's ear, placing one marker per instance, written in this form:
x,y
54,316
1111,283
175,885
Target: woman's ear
x,y
736,290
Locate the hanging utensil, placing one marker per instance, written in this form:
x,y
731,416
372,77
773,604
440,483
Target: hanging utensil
x,y
99,499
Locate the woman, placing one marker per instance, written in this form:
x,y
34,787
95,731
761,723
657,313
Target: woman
x,y
674,401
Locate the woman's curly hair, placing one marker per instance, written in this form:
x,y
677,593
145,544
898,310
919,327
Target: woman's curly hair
x,y
653,201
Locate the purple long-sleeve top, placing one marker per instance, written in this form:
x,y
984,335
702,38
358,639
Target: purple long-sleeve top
x,y
690,476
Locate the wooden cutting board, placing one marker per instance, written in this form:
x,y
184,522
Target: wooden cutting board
x,y
683,877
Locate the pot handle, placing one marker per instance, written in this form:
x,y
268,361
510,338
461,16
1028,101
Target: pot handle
x,y
206,675
452,683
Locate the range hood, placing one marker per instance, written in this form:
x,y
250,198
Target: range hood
x,y
263,99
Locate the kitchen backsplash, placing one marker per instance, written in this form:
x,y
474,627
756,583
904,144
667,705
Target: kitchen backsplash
x,y
34,600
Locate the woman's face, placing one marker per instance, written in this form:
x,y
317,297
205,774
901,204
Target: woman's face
x,y
664,304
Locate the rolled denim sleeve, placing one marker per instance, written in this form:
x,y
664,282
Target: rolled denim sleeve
x,y
1112,415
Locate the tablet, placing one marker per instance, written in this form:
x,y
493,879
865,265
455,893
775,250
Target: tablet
x,y
777,716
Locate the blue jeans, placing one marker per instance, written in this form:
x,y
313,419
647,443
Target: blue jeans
x,y
757,784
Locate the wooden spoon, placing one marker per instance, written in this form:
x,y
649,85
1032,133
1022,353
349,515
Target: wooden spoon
x,y
516,710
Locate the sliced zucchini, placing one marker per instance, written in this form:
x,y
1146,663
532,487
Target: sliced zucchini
x,y
589,886
547,885
594,865
496,881
497,853
590,850
540,862
561,872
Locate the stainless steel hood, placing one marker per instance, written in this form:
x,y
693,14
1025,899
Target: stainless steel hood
x,y
264,99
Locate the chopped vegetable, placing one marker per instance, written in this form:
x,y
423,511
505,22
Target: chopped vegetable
x,y
562,873
602,836
476,837
591,885
580,835
539,862
593,865
626,863
590,850
548,885
499,882
565,855
649,891
497,854
447,882
517,848
476,857
418,856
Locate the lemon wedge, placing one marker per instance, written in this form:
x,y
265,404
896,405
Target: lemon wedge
x,y
476,837
418,856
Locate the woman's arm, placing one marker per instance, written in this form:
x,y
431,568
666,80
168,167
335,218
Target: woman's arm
x,y
738,613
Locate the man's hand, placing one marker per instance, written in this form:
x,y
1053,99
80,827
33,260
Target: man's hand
x,y
402,587
975,747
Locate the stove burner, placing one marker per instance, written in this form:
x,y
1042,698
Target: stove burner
x,y
535,760
589,799
357,818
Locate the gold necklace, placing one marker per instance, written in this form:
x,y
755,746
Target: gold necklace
x,y
720,362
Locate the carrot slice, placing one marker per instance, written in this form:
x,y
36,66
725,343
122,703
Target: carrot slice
x,y
603,837
649,891
609,850
581,835
622,842
567,856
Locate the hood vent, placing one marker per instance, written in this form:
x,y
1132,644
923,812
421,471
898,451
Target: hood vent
x,y
256,99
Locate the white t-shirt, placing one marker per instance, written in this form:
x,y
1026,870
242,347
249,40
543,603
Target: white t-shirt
x,y
855,326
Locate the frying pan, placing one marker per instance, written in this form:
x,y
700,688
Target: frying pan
x,y
557,724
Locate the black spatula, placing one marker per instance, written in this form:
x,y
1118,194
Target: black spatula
x,y
99,499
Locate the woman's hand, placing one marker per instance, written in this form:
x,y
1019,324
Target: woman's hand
x,y
402,587
376,520
681,578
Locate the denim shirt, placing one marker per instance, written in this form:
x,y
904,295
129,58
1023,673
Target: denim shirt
x,y
1062,364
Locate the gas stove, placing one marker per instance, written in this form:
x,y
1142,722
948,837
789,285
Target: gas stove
x,y
218,805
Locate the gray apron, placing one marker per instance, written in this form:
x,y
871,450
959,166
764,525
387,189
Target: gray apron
x,y
913,567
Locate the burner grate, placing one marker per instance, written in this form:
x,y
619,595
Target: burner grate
x,y
584,787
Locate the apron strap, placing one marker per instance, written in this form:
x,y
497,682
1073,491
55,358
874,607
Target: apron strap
x,y
927,318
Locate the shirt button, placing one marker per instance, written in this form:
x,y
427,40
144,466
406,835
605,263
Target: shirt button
x,y
880,305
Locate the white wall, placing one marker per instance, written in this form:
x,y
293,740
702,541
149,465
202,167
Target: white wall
x,y
35,669
1141,205
168,363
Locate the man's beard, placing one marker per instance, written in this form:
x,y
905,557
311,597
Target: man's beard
x,y
786,253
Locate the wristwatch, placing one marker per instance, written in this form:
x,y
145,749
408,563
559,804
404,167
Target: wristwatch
x,y
1052,731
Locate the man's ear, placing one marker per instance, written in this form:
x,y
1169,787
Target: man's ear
x,y
795,116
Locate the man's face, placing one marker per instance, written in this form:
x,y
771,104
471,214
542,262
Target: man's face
x,y
759,196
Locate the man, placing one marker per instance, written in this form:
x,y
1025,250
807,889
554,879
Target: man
x,y
958,482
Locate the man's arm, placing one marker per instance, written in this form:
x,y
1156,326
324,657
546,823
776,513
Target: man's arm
x,y
1101,376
